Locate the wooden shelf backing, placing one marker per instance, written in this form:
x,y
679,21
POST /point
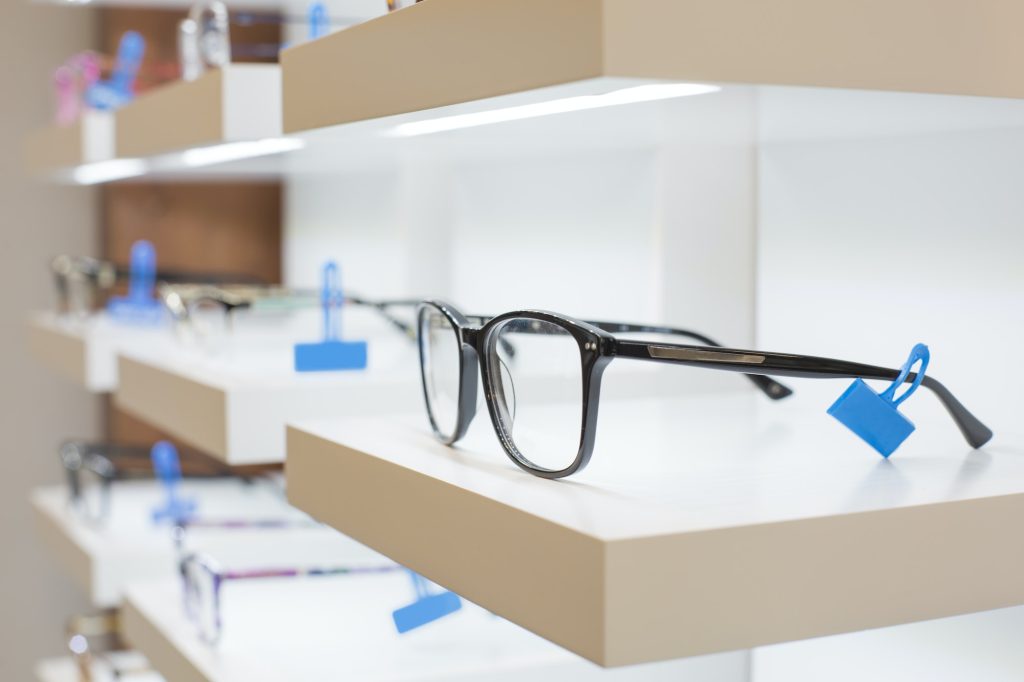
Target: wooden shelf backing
x,y
448,52
702,525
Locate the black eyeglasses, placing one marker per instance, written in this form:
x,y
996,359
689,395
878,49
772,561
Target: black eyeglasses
x,y
526,359
183,300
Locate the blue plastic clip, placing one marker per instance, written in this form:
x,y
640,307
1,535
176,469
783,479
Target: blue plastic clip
x,y
120,88
139,305
332,353
318,23
167,468
426,608
874,417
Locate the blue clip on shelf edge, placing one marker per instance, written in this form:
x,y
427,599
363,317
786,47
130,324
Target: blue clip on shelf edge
x,y
874,417
167,467
426,608
139,306
331,354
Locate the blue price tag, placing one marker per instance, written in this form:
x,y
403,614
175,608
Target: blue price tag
x,y
332,353
426,608
875,417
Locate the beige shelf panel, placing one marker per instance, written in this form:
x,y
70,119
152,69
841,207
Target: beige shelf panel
x,y
236,411
54,150
701,525
239,102
447,52
85,349
340,629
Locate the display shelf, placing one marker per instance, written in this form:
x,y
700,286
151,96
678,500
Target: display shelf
x,y
66,669
450,52
57,150
236,103
701,525
340,628
104,558
85,349
234,405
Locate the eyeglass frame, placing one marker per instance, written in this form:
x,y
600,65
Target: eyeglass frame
x,y
102,458
219,576
598,347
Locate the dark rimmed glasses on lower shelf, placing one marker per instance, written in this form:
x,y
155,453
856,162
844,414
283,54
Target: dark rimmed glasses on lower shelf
x,y
511,352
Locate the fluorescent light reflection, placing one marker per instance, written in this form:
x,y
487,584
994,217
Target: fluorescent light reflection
x,y
640,93
108,171
235,151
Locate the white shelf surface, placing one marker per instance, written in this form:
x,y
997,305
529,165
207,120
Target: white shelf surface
x,y
66,670
702,524
233,402
104,558
340,628
84,349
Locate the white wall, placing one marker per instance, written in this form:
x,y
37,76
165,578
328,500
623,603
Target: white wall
x,y
873,238
37,409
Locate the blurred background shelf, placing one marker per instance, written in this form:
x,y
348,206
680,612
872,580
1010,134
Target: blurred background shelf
x,y
85,349
59,152
701,525
103,558
66,669
233,405
447,52
340,628
237,103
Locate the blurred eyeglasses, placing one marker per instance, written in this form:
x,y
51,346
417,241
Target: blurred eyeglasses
x,y
81,281
92,467
206,310
203,579
95,643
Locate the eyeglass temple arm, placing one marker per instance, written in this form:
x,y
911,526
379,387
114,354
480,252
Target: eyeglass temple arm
x,y
771,388
802,366
382,308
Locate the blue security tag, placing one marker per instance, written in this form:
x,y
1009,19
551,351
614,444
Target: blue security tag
x,y
167,467
875,417
426,608
120,89
140,305
332,353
